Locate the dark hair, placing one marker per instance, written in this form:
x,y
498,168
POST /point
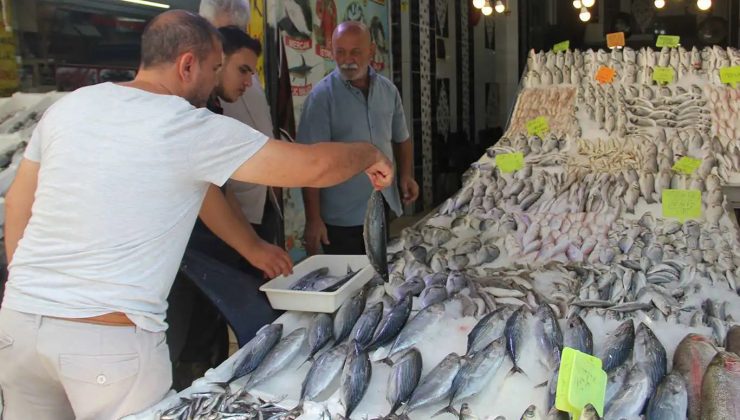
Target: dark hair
x,y
235,39
173,33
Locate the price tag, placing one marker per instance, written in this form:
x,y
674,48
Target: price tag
x,y
510,162
670,41
605,74
664,74
581,381
561,46
538,126
615,39
682,204
730,75
687,165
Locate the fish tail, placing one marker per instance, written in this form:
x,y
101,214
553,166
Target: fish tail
x,y
448,409
309,360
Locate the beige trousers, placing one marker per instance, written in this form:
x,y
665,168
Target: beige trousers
x,y
56,369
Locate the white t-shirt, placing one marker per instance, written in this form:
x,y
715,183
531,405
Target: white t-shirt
x,y
122,176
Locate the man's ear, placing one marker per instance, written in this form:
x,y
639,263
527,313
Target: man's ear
x,y
186,66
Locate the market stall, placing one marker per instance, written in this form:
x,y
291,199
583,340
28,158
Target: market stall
x,y
597,222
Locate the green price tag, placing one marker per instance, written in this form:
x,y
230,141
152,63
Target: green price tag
x,y
538,126
670,41
664,74
581,381
510,162
561,46
682,204
730,75
687,165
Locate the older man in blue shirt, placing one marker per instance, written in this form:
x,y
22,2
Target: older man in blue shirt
x,y
354,104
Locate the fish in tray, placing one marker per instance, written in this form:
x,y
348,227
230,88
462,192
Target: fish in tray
x,y
320,280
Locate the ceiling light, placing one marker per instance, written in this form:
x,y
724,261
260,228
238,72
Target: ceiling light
x,y
659,4
577,4
704,4
588,3
148,3
500,8
487,10
478,4
585,14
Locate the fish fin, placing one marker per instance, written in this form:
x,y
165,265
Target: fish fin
x,y
388,361
515,369
223,385
542,385
309,360
448,409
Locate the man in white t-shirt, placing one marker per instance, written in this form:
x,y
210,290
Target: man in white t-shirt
x,y
99,214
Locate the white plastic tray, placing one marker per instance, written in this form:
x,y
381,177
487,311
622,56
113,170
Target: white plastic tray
x,y
281,297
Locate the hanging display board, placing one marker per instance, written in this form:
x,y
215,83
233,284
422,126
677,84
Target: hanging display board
x,y
305,28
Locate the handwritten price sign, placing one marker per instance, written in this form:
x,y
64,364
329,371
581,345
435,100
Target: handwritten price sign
x,y
581,381
670,41
510,162
538,126
681,204
687,165
605,74
664,74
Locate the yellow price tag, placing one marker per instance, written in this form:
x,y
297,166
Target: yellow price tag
x,y
605,74
510,162
687,165
581,381
664,74
538,126
730,75
670,41
615,39
561,46
682,204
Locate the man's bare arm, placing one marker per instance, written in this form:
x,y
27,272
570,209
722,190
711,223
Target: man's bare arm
x,y
18,203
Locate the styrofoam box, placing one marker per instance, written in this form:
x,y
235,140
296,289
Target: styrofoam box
x,y
281,297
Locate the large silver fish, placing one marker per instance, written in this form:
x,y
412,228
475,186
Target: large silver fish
x,y
365,326
415,329
347,316
256,349
391,324
355,379
476,373
374,233
437,385
618,346
649,353
630,400
279,357
489,328
577,335
670,401
403,379
319,333
323,372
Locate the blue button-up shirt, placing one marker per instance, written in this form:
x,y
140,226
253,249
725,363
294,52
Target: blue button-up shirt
x,y
337,111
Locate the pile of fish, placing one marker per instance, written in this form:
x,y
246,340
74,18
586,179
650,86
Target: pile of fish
x,y
571,250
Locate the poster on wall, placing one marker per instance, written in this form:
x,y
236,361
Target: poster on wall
x,y
305,28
